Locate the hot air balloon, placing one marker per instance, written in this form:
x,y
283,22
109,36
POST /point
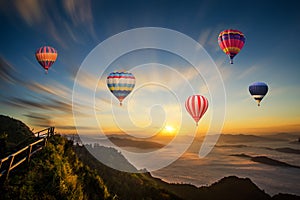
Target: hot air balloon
x,y
46,56
196,105
258,90
120,84
231,42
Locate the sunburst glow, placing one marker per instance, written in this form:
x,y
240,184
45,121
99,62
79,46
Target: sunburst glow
x,y
169,130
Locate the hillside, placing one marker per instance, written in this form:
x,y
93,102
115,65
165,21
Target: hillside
x,y
13,135
55,173
125,185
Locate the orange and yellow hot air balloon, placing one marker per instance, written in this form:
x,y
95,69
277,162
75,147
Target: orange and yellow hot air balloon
x,y
46,56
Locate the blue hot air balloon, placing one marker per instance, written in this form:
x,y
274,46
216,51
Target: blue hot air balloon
x,y
258,90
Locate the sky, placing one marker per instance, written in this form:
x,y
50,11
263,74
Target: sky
x,y
163,80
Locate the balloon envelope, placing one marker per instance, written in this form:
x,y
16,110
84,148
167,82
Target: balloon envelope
x,y
231,42
120,84
196,105
258,90
46,56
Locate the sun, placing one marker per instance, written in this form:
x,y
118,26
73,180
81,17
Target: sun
x,y
169,130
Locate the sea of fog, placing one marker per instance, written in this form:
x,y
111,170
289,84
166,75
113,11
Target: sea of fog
x,y
219,163
189,168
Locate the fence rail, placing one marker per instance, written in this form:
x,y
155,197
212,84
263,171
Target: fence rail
x,y
23,155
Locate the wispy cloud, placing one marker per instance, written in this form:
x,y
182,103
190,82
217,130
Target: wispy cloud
x,y
80,12
73,127
7,72
23,103
54,88
251,70
45,15
53,96
30,10
46,104
39,120
157,77
90,81
61,122
39,14
205,36
208,38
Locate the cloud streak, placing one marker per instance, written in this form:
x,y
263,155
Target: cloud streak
x,y
47,105
80,11
45,15
31,11
40,120
54,88
7,72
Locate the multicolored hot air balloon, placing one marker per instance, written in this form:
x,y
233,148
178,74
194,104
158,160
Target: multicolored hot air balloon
x,y
46,56
258,90
196,105
231,42
120,84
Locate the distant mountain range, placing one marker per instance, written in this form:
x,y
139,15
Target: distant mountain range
x,y
141,144
244,138
155,142
266,160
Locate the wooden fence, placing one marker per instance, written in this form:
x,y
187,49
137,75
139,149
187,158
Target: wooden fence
x,y
23,155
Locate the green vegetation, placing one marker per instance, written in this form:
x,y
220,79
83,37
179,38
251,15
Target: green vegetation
x,y
55,173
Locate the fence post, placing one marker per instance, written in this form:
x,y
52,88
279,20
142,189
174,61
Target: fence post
x,y
29,153
11,160
1,163
52,131
45,141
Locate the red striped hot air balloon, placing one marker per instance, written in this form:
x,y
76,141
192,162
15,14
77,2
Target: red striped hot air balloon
x,y
196,105
231,42
46,56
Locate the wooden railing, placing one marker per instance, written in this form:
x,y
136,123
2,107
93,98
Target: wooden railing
x,y
43,133
23,155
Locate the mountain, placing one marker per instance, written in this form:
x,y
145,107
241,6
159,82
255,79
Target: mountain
x,y
140,144
13,135
242,138
229,188
266,160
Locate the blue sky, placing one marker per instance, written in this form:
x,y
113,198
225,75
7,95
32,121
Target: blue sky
x,y
75,28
